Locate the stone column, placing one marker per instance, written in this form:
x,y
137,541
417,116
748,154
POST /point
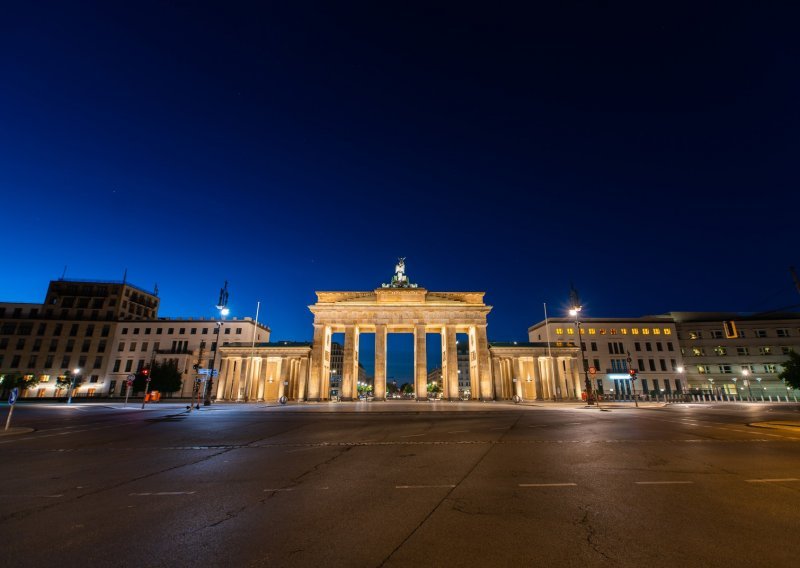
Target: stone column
x,y
261,379
451,353
544,378
319,349
302,379
576,377
484,366
241,383
561,373
222,378
236,378
285,370
350,371
516,377
420,363
498,374
380,362
474,376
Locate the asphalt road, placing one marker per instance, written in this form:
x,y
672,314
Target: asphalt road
x,y
400,484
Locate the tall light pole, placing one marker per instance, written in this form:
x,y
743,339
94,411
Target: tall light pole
x,y
574,312
75,373
222,306
745,374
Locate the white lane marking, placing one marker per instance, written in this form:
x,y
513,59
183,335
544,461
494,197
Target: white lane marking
x,y
771,480
548,484
24,495
412,435
283,489
422,486
663,482
458,432
162,493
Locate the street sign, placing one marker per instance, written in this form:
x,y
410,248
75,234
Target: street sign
x,y
129,382
592,371
12,398
203,371
214,372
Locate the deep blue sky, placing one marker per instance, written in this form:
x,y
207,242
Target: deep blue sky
x,y
646,153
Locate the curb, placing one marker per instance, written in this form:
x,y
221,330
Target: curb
x,y
793,426
15,431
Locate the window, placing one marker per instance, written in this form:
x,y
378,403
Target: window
x,y
761,333
742,351
637,346
673,364
65,362
170,331
15,361
194,331
147,331
698,351
640,364
783,332
644,386
128,365
135,331
716,334
786,349
748,368
42,329
205,331
623,331
645,331
124,331
770,368
133,346
59,328
144,345
663,364
117,363
695,335
667,331
596,363
570,331
652,363
765,350
182,331
669,346
48,362
227,331
594,344
725,369
213,346
98,363
721,351
659,346
37,345
140,365
32,362
73,331
89,330
70,345
648,346
592,331
238,331
703,369
82,361
105,331
619,366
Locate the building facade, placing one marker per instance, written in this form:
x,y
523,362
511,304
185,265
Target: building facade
x,y
73,329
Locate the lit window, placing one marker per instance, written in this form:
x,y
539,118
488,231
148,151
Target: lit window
x,y
645,331
667,331
623,331
656,331
570,331
44,378
634,331
698,351
592,331
559,331
602,331
694,335
612,331
719,350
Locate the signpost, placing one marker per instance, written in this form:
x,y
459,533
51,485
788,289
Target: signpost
x,y
129,384
12,398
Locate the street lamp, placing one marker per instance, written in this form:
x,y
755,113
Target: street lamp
x,y
574,312
713,394
222,306
735,390
745,374
75,373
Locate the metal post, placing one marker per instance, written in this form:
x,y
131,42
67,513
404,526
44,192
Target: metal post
x,y
587,381
8,420
72,387
210,381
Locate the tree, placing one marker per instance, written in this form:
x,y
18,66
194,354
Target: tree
x,y
22,382
392,388
791,371
407,388
164,377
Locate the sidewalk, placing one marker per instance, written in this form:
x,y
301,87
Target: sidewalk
x,y
790,425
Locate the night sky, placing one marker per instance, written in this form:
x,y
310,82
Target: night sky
x,y
647,154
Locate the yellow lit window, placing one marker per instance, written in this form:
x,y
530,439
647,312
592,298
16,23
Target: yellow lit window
x,y
570,331
592,331
44,378
612,331
602,331
656,331
583,331
634,331
667,331
559,331
623,331
645,331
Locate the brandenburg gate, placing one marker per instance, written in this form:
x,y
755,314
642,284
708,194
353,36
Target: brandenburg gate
x,y
498,371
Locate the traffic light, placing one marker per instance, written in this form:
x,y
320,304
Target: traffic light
x,y
146,372
632,373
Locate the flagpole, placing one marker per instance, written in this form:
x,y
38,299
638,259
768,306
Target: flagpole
x,y
252,354
547,329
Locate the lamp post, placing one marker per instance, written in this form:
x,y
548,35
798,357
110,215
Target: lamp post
x,y
588,384
713,394
680,371
745,374
75,373
222,306
735,389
